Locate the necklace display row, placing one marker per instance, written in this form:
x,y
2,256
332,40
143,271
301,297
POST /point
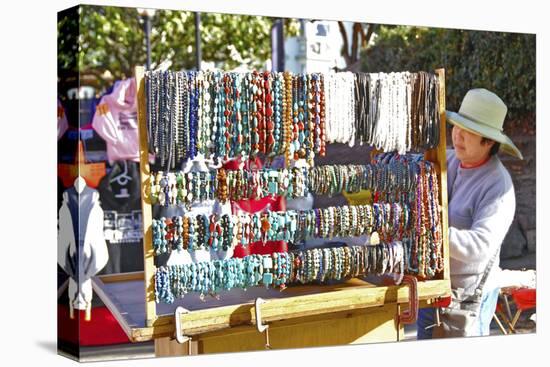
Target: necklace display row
x,y
226,115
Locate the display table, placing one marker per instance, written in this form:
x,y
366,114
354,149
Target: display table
x,y
353,311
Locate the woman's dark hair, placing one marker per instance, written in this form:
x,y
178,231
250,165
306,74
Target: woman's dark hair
x,y
494,149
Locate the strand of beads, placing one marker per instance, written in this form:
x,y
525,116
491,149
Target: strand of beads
x,y
176,188
288,117
426,243
224,115
174,281
291,226
389,174
256,113
391,221
277,270
268,112
217,113
193,132
236,148
277,118
330,134
244,137
220,233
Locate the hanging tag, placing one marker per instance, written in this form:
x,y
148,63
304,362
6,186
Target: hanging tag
x,y
293,225
374,239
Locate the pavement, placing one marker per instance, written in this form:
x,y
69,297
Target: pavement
x,y
523,326
147,349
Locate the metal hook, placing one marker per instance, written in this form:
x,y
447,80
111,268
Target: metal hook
x,y
261,327
179,334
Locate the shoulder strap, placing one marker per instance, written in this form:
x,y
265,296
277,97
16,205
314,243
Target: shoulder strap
x,y
479,288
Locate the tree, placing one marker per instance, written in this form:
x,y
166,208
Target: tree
x,y
499,61
359,41
112,40
67,49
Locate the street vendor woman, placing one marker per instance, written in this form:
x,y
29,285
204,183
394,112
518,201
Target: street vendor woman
x,y
481,207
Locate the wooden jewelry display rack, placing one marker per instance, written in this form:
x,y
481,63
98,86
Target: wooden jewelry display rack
x,y
353,311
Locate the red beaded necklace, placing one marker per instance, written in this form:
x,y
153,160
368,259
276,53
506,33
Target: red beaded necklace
x,y
268,103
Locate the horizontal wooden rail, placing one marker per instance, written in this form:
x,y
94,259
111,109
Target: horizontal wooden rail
x,y
350,299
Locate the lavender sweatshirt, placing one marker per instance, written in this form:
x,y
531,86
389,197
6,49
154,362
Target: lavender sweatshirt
x,y
482,204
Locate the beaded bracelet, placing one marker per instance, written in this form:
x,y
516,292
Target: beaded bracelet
x,y
291,226
278,269
165,189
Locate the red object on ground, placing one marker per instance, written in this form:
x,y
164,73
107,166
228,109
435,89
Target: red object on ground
x,y
102,329
443,302
525,298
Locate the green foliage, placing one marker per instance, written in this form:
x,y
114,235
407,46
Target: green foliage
x,y
67,40
112,39
67,50
501,62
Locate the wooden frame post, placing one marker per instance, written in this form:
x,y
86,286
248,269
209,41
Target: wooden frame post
x,y
439,156
148,253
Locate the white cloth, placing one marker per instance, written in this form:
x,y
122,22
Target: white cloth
x,y
83,262
517,278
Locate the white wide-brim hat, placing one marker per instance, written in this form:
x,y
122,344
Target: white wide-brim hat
x,y
482,113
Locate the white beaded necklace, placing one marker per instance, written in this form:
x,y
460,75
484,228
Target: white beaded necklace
x,y
341,103
351,113
408,111
329,107
400,113
383,127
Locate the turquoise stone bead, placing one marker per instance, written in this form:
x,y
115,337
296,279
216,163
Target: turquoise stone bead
x,y
267,278
287,236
